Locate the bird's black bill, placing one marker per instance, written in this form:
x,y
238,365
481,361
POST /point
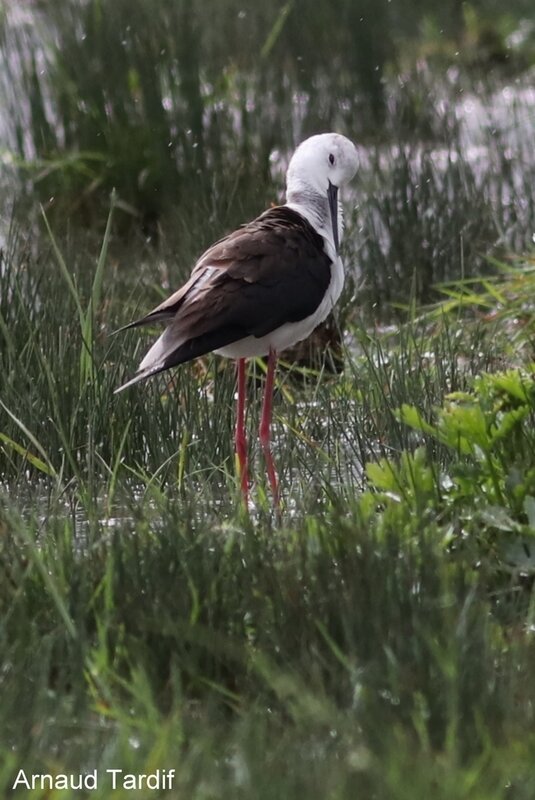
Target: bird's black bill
x,y
332,194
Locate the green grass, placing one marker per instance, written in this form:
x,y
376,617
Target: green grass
x,y
319,659
378,641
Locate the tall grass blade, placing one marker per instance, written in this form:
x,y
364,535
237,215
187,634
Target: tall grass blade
x,y
31,438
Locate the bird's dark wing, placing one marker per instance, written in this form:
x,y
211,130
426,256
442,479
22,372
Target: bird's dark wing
x,y
274,251
269,272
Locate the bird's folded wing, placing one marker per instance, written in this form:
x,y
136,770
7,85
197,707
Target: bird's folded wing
x,y
270,272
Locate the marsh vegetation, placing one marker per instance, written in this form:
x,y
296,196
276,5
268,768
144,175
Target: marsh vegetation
x,y
379,642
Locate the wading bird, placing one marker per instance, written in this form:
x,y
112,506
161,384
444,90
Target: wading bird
x,y
264,287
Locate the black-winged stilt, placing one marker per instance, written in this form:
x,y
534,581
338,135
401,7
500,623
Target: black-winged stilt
x,y
264,287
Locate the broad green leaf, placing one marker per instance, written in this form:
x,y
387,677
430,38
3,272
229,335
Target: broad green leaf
x,y
382,475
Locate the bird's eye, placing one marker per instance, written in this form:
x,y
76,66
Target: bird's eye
x,y
331,159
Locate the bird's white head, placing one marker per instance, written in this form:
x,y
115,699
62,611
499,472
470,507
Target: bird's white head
x,y
318,168
320,160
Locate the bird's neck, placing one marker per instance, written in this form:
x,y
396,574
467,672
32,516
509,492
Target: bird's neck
x,y
314,207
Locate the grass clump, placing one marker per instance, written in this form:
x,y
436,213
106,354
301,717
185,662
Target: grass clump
x,y
258,659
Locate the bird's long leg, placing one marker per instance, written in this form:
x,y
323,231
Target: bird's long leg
x,y
241,439
265,427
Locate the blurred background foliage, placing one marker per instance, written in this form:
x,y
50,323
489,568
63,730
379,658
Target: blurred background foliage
x,y
179,100
189,110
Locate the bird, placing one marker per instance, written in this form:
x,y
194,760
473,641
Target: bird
x,y
262,288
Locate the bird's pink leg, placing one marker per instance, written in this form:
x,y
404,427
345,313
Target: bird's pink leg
x,y
241,439
265,427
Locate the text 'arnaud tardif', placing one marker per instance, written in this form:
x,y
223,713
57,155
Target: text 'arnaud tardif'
x,y
111,778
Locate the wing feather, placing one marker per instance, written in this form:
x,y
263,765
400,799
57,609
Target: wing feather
x,y
269,272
